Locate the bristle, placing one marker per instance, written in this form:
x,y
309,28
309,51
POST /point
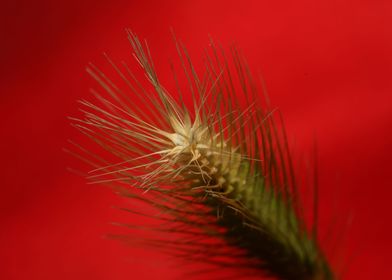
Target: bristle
x,y
218,169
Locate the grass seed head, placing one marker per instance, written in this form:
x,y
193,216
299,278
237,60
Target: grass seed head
x,y
217,169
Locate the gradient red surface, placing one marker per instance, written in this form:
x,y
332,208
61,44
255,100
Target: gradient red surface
x,y
327,66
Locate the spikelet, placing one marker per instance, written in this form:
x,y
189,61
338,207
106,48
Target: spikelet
x,y
216,169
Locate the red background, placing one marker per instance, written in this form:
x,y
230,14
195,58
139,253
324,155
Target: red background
x,y
327,66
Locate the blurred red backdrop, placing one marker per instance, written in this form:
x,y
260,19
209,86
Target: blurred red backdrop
x,y
327,65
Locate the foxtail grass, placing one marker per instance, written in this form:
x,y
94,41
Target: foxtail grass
x,y
215,167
